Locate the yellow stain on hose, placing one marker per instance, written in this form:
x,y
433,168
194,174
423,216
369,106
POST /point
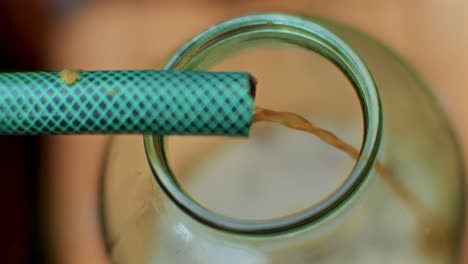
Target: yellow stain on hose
x,y
69,76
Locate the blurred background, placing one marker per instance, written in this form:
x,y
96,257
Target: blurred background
x,y
49,185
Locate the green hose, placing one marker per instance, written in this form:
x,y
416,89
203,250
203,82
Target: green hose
x,y
108,102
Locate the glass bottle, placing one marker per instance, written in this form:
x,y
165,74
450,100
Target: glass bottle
x,y
282,196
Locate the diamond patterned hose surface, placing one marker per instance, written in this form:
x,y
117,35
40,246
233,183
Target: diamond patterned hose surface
x,y
149,102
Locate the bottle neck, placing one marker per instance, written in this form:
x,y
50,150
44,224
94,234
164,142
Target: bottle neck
x,y
244,32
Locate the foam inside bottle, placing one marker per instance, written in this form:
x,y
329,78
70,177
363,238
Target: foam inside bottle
x,y
278,172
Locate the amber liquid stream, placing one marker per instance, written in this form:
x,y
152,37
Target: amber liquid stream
x,y
433,236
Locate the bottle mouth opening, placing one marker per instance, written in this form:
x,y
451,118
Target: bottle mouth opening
x,y
244,32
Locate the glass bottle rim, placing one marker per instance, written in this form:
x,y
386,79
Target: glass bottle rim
x,y
300,32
